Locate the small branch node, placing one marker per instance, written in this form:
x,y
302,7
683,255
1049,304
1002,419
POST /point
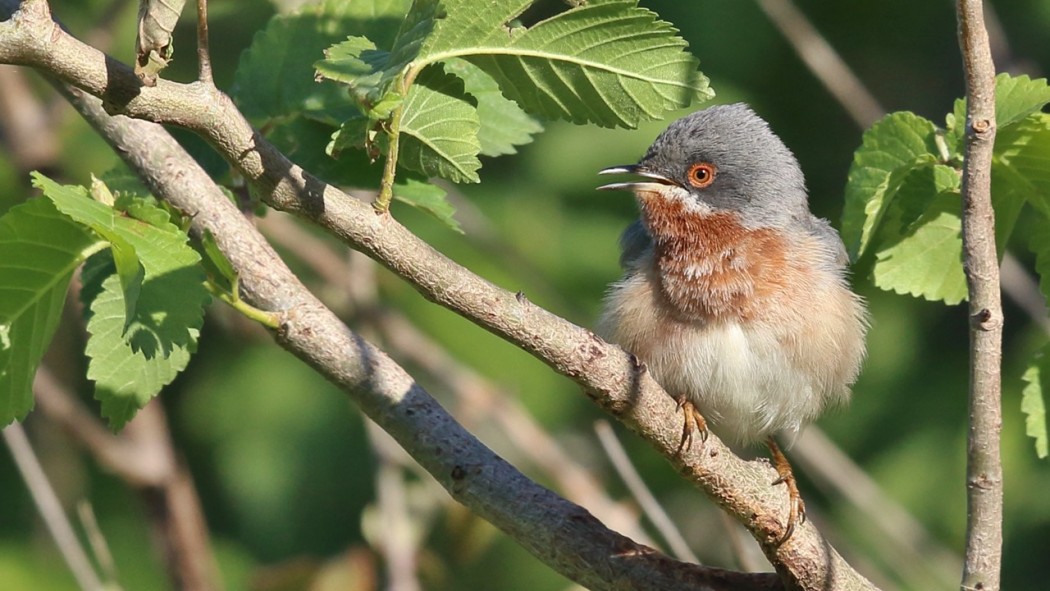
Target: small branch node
x,y
984,320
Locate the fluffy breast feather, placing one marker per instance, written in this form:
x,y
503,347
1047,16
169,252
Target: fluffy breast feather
x,y
754,327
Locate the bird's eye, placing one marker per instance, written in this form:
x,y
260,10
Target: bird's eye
x,y
701,174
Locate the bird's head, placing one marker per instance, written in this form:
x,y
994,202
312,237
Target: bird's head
x,y
723,159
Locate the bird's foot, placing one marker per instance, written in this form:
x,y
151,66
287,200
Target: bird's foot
x,y
797,508
693,419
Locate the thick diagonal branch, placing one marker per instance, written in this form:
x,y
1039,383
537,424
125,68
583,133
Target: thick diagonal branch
x,y
382,388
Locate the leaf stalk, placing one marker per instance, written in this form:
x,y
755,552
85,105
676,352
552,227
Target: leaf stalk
x,y
267,319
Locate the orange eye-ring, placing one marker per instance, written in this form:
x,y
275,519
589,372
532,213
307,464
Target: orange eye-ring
x,y
701,174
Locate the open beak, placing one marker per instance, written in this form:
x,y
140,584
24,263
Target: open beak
x,y
649,176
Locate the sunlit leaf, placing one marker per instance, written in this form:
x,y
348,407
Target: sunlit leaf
x,y
429,198
891,149
39,250
1033,402
503,123
605,61
439,129
927,260
172,295
126,378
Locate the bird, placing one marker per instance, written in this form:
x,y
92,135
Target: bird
x,y
735,297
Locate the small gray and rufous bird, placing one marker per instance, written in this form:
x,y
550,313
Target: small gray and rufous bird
x,y
735,296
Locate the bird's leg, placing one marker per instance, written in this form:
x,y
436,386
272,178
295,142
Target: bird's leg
x,y
693,418
797,510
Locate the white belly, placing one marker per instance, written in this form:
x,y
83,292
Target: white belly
x,y
738,378
748,380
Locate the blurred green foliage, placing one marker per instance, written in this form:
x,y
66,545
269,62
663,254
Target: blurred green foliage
x,y
282,462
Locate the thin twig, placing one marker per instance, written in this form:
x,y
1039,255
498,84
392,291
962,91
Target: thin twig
x,y
143,457
99,546
652,508
478,395
203,53
748,556
908,540
50,508
28,130
822,59
984,471
397,543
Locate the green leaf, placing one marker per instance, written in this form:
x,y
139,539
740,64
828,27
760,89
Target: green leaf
x,y
1033,405
439,129
427,197
369,70
39,250
891,149
128,266
918,245
275,75
125,378
1016,97
503,123
569,66
927,261
355,62
216,259
171,299
902,201
1022,160
1039,244
914,193
306,142
607,62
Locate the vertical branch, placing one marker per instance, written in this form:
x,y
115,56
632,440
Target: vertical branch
x,y
203,53
386,185
984,478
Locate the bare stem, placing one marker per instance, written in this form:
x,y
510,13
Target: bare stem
x,y
630,476
397,540
386,185
143,456
267,319
984,475
203,53
50,508
822,59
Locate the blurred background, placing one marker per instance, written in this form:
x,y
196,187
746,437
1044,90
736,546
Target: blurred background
x,y
300,493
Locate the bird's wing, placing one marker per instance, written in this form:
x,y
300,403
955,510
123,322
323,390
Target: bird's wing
x,y
635,242
822,229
